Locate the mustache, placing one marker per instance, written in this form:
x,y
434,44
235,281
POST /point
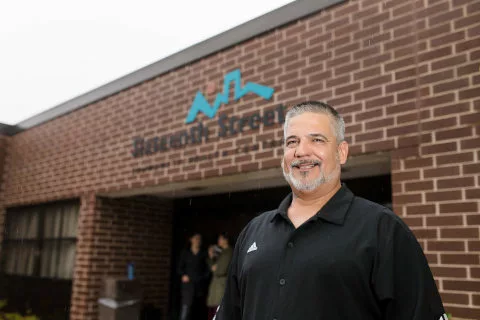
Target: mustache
x,y
297,163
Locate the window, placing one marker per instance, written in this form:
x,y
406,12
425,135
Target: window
x,y
41,240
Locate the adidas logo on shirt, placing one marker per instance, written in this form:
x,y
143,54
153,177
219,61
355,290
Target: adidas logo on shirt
x,y
253,247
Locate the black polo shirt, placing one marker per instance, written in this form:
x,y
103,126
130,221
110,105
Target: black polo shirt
x,y
353,260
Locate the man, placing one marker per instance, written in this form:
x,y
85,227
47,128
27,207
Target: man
x,y
325,253
193,271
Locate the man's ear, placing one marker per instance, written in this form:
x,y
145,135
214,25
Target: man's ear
x,y
343,151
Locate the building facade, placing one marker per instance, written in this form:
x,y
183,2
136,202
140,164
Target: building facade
x,y
92,184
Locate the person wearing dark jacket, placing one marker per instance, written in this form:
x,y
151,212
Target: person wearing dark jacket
x,y
194,272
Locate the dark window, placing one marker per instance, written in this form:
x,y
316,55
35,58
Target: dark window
x,y
40,241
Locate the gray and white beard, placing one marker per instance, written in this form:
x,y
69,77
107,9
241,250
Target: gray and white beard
x,y
306,185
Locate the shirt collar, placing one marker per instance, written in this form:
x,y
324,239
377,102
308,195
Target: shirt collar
x,y
334,211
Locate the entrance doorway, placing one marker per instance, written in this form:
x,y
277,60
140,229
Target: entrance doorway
x,y
230,212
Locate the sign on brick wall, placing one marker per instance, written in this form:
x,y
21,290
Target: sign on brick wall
x,y
227,126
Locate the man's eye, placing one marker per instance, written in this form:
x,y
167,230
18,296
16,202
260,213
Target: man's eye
x,y
291,143
318,140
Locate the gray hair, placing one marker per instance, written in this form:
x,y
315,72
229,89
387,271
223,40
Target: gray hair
x,y
318,107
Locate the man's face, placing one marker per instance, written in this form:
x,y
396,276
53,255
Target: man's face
x,y
312,156
196,240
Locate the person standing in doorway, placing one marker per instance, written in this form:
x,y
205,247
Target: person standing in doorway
x,y
194,273
219,269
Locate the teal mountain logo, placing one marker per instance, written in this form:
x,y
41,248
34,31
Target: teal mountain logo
x,y
200,104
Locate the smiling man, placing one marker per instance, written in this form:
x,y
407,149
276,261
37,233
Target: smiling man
x,y
325,253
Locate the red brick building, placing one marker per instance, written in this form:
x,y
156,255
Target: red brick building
x,y
119,174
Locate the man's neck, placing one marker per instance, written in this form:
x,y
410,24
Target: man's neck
x,y
195,249
306,205
318,197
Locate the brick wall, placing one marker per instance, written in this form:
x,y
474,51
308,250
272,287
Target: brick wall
x,y
391,79
405,75
113,232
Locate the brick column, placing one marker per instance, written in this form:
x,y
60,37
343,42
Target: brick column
x,y
113,232
83,296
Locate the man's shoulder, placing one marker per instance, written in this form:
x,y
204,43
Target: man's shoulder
x,y
258,222
375,208
376,211
371,209
263,218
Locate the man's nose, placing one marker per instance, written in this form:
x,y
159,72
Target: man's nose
x,y
303,149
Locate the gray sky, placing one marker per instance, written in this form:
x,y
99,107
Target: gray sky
x,y
52,51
